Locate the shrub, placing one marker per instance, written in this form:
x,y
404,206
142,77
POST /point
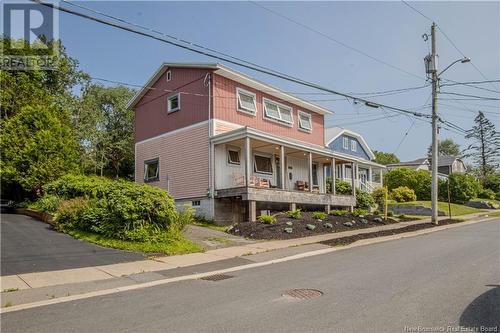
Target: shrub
x,y
319,215
342,187
403,194
419,181
463,188
294,214
359,211
376,212
486,193
72,215
378,196
497,196
389,213
364,200
339,212
47,203
401,216
268,219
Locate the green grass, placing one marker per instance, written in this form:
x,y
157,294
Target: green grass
x,y
495,214
172,245
496,202
210,225
456,209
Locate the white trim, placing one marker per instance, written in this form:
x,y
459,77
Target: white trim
x,y
279,106
148,162
299,121
345,143
269,156
354,145
173,132
169,98
168,76
235,149
238,101
358,136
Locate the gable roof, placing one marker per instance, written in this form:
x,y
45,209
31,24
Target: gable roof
x,y
231,74
447,160
331,133
418,161
442,161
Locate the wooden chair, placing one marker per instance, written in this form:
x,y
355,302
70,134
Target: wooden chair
x,y
302,185
264,183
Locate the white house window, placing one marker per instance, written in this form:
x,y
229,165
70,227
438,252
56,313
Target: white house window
x,y
195,203
233,156
151,170
174,103
246,101
346,143
263,164
354,145
305,121
278,112
169,76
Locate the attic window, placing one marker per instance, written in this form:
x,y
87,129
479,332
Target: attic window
x,y
305,121
354,145
346,143
169,76
174,103
246,101
279,112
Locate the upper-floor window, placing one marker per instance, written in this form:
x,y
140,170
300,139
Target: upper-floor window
x,y
305,121
354,145
279,112
174,103
151,170
233,156
169,76
346,143
246,101
263,164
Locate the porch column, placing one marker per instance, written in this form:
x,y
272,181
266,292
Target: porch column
x,y
252,211
343,171
334,171
282,167
381,177
353,182
310,160
370,172
248,161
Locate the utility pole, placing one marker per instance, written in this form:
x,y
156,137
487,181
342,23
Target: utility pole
x,y
435,120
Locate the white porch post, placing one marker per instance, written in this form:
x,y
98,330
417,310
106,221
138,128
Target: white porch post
x,y
343,171
334,171
310,172
353,176
370,172
248,161
282,167
381,177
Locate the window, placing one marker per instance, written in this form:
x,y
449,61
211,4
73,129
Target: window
x,y
354,145
346,143
246,101
348,172
174,103
169,76
278,112
263,164
151,170
305,121
233,156
195,203
315,174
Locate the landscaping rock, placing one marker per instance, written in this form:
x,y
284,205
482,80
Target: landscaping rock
x,y
353,222
288,230
328,225
361,216
482,204
348,224
320,220
310,227
364,221
378,220
289,223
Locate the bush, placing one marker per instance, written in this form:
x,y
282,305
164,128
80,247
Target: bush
x,y
389,213
319,215
116,208
419,181
497,196
268,219
486,193
463,187
376,212
47,203
342,187
378,196
339,212
364,200
359,212
403,194
294,214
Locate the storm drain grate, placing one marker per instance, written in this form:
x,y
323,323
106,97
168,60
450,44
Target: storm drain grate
x,y
303,293
216,277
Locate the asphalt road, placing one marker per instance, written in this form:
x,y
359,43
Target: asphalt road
x,y
447,278
29,245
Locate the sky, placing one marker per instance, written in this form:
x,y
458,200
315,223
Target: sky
x,y
388,31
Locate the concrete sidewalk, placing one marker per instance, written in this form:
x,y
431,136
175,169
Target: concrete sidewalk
x,y
103,272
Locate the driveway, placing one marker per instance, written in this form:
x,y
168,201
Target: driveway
x,y
29,245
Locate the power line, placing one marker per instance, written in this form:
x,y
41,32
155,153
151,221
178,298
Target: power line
x,y
241,63
472,96
471,84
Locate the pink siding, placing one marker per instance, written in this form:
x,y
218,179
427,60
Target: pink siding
x,y
183,157
221,127
224,91
151,117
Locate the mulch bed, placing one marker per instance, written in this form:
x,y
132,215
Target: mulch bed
x,y
258,230
351,239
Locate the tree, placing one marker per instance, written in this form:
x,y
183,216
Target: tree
x,y
105,130
385,158
38,146
485,149
446,147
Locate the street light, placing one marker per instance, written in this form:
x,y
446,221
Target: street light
x,y
463,61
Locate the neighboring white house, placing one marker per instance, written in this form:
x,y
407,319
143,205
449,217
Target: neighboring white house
x,y
446,165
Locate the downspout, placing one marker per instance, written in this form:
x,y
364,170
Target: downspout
x,y
208,83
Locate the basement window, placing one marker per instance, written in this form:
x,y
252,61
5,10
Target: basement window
x,y
246,101
174,103
195,203
151,170
278,112
263,164
305,121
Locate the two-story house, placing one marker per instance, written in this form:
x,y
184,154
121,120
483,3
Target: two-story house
x,y
231,146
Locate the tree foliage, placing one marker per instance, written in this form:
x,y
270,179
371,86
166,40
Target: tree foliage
x,y
385,158
417,180
446,147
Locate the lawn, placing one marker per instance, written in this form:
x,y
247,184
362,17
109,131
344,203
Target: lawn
x,y
456,209
171,245
496,202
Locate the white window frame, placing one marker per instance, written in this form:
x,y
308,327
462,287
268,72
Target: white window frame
x,y
307,115
346,143
270,157
280,106
169,75
169,98
196,203
238,101
354,145
228,160
157,176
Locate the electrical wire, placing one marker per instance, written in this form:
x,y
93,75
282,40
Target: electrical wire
x,y
472,96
